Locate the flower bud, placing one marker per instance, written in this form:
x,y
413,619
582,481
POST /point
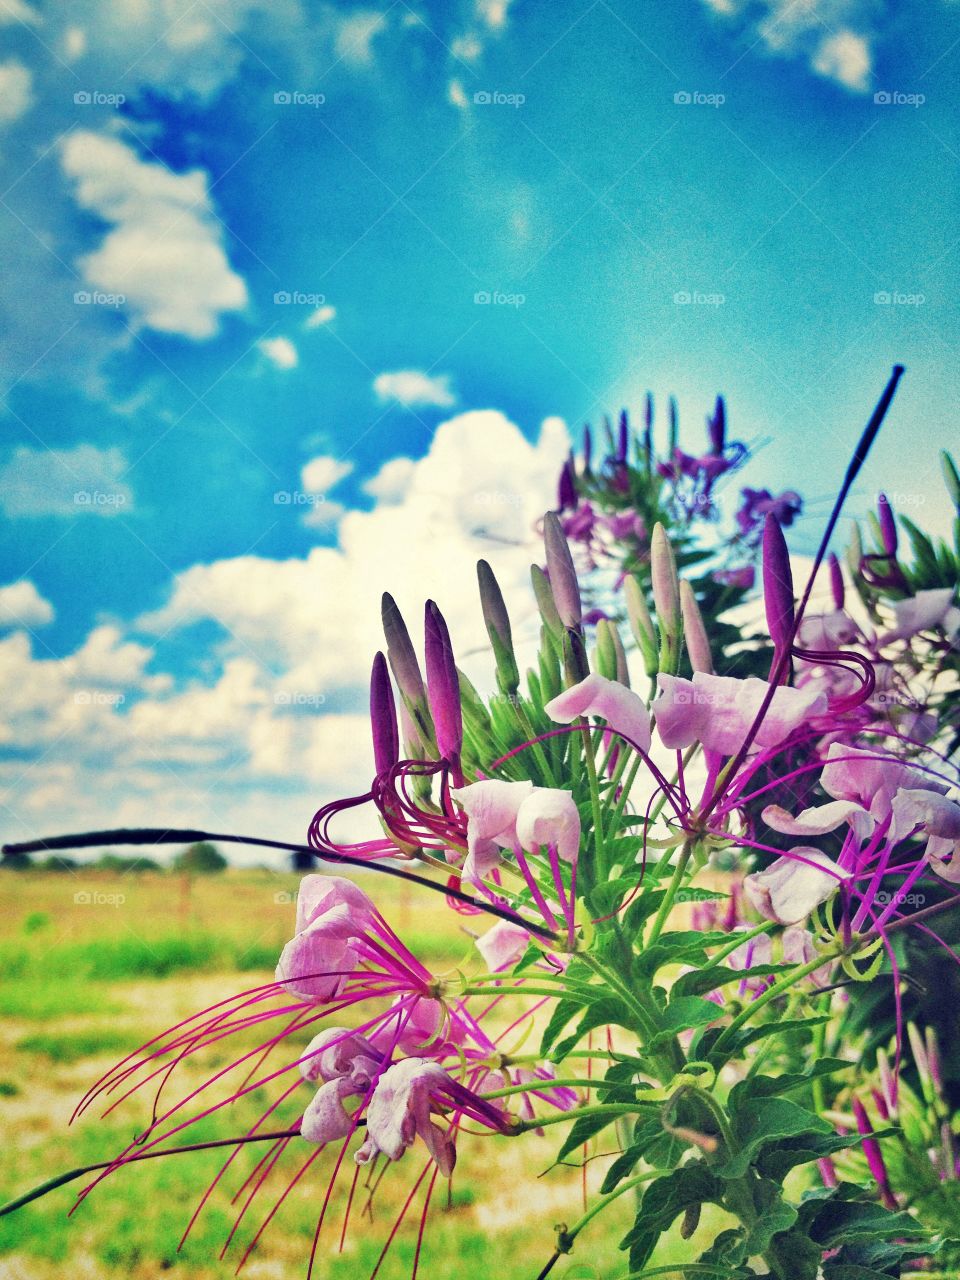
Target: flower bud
x,y
498,628
575,664
546,603
623,436
403,659
663,578
836,581
566,488
674,427
717,427
888,525
777,584
443,684
641,625
648,431
383,717
694,632
563,576
605,657
623,673
587,450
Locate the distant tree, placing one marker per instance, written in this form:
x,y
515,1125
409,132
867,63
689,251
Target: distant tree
x,y
58,863
200,859
15,862
120,862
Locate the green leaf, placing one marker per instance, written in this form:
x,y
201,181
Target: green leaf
x,y
683,1013
770,1086
774,1216
603,1012
744,1036
663,1202
715,976
584,1128
760,1124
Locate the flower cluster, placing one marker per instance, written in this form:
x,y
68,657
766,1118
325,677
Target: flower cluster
x,y
690,894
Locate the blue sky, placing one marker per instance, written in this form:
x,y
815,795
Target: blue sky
x,y
244,246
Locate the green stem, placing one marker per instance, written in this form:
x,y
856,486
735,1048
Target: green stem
x,y
778,988
61,1179
673,888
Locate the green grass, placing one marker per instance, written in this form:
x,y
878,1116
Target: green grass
x,y
77,1045
41,1000
114,959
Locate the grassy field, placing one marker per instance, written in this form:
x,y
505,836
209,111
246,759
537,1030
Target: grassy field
x,y
93,965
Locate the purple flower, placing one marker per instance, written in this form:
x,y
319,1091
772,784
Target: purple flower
x,y
443,684
719,711
792,886
332,917
623,710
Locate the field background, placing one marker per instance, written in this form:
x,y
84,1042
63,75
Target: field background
x,y
95,963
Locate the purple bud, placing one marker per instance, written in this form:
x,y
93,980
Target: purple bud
x,y
664,581
567,489
587,449
888,524
563,576
694,631
403,659
674,426
623,436
836,581
871,1149
443,684
777,584
383,717
717,427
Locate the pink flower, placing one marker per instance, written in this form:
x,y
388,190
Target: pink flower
x,y
503,945
789,889
339,1053
827,631
926,611
937,817
332,916
870,778
720,710
422,1026
326,1119
549,817
491,807
399,1112
623,710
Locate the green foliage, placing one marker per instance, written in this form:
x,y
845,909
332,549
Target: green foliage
x,y
200,859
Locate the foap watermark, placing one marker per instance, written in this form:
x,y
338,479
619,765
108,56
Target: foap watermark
x,y
498,298
497,498
285,897
297,298
98,98
900,899
294,98
496,98
95,898
899,499
694,98
97,498
894,98
297,498
94,298
98,698
897,298
298,698
695,298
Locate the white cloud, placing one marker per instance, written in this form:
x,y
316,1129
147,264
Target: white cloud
x,y
280,352
84,480
479,491
457,95
74,43
392,481
164,252
322,315
16,11
278,730
412,387
835,37
320,474
493,13
354,36
845,57
16,93
22,605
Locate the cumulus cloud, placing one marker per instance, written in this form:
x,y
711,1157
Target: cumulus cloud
x,y
279,727
22,605
320,474
392,480
280,352
413,387
354,36
164,251
317,319
16,92
65,482
835,37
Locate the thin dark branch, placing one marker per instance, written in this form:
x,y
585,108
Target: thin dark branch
x,y
165,835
